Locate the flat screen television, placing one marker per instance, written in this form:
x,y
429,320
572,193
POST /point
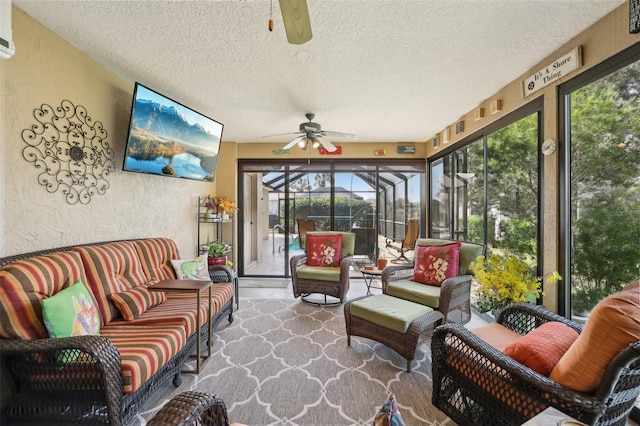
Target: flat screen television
x,y
167,138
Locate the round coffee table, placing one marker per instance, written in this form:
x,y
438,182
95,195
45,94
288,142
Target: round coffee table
x,y
369,275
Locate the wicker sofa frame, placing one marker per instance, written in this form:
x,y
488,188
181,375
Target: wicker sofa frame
x,y
87,388
190,409
474,383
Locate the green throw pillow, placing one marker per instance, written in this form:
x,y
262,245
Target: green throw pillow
x,y
71,312
192,269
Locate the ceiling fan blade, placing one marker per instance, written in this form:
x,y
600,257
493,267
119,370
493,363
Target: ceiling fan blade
x,y
295,16
293,142
284,134
327,144
338,134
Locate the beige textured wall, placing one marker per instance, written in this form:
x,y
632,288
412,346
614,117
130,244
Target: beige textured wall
x,y
47,70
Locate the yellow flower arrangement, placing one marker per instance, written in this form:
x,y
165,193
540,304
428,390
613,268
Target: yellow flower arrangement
x,y
225,204
505,280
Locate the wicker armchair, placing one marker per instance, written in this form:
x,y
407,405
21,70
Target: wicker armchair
x,y
323,280
474,383
452,298
190,409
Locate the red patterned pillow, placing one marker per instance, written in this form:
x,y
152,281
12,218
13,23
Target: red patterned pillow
x,y
135,302
434,264
324,250
542,348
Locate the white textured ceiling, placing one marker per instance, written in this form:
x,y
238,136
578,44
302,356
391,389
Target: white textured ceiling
x,y
386,70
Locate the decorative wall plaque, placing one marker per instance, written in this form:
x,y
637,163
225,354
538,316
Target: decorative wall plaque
x,y
436,141
71,150
406,149
323,151
459,127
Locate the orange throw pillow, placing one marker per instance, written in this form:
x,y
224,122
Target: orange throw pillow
x,y
434,264
542,347
613,324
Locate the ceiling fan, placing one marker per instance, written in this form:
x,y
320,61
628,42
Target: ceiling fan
x,y
311,134
295,16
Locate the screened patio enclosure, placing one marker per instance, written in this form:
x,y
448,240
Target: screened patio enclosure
x,y
373,199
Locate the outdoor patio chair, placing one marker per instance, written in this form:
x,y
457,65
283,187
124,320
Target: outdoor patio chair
x,y
321,269
591,372
452,297
407,242
304,226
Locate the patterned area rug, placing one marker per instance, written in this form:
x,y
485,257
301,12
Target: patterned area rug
x,y
284,362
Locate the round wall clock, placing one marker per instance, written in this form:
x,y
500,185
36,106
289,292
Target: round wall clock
x,y
548,147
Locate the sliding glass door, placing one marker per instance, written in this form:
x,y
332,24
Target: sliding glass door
x,y
373,199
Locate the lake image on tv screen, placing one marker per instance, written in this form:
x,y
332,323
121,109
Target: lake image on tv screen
x,y
168,139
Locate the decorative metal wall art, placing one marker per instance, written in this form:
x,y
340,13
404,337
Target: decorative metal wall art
x,y
72,151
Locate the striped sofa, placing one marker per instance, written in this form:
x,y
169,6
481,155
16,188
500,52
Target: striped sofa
x,y
95,379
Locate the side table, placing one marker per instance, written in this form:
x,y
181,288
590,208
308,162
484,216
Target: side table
x,y
223,274
191,286
369,275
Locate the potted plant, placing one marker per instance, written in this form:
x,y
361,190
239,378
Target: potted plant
x,y
504,280
216,253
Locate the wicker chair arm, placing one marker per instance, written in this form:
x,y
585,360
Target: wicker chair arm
x,y
524,317
67,364
297,261
192,408
454,291
222,268
454,342
395,273
630,356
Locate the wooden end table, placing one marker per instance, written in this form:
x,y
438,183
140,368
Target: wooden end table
x,y
191,286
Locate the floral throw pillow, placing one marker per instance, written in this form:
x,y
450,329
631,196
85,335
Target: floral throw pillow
x,y
434,264
324,250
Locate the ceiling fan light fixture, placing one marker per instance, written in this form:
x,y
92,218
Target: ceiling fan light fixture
x,y
302,143
315,144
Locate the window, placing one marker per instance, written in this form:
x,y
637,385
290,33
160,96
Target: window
x,y
602,194
488,190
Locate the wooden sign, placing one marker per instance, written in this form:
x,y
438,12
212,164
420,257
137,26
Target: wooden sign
x,y
553,72
406,149
323,151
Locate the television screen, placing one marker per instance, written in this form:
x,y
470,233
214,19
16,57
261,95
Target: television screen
x,y
166,138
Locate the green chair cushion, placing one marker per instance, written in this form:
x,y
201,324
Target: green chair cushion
x,y
423,294
468,252
319,273
388,312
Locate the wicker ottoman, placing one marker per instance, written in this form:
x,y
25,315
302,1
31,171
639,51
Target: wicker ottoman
x,y
397,323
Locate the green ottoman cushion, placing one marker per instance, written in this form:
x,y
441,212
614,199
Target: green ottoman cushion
x,y
388,312
423,294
